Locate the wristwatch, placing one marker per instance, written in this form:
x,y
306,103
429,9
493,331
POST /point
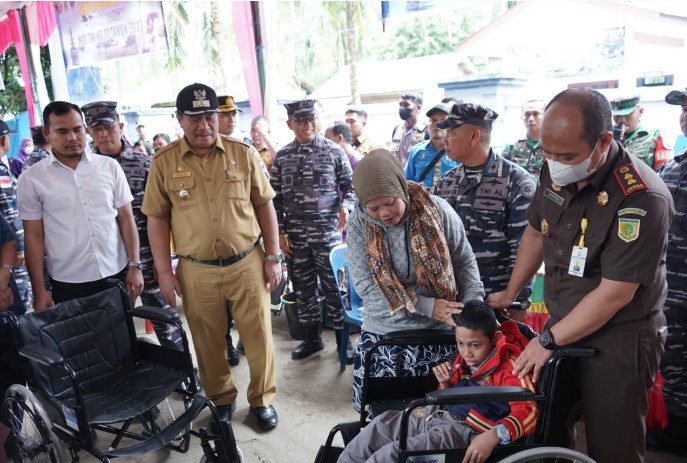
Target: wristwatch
x,y
503,434
278,257
546,340
138,265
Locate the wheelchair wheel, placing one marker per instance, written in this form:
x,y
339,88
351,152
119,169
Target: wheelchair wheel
x,y
560,454
31,437
163,414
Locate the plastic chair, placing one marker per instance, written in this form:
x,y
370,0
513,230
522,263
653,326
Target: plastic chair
x,y
354,315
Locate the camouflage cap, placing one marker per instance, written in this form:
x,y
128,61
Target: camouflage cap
x,y
468,113
301,109
197,99
100,113
677,97
226,104
441,107
624,106
4,129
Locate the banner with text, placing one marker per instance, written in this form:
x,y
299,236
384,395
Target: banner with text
x,y
92,32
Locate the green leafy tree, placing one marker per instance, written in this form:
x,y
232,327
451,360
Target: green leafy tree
x,y
13,98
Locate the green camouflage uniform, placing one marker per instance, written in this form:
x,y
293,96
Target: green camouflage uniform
x,y
527,154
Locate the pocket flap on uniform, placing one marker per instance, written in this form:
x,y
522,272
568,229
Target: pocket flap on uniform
x,y
178,184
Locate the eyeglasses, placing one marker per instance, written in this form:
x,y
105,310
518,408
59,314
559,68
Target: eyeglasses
x,y
304,122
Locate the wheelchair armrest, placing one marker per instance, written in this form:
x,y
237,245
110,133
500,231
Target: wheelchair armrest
x,y
421,336
157,314
570,351
41,355
479,394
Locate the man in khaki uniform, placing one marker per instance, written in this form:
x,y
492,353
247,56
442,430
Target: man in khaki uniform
x,y
212,192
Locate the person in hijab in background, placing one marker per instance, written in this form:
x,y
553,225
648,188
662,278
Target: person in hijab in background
x,y
410,262
17,163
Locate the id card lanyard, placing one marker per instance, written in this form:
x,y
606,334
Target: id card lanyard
x,y
578,257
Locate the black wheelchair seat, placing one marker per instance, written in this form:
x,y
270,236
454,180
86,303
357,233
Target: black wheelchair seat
x,y
89,371
92,336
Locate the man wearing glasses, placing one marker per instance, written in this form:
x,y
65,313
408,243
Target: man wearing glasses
x,y
214,196
307,176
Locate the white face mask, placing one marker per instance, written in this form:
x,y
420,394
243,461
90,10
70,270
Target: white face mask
x,y
565,174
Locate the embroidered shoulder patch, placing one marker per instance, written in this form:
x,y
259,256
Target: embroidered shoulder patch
x,y
632,210
628,229
629,179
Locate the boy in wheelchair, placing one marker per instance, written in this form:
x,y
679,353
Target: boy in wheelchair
x,y
487,353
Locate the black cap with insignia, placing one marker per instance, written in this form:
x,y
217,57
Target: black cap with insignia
x,y
100,113
301,109
468,113
227,104
197,99
677,97
5,129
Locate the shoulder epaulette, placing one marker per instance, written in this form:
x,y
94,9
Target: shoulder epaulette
x,y
629,179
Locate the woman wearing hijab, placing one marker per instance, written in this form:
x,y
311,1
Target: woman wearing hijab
x,y
410,262
17,163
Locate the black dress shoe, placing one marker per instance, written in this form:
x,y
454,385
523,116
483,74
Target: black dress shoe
x,y
232,356
266,415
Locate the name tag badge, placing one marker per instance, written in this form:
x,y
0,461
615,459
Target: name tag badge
x,y
577,261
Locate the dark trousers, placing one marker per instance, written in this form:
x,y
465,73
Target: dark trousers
x,y
610,390
62,291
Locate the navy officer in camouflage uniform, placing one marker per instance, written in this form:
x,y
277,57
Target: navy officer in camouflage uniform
x,y
8,209
489,193
646,144
674,362
41,148
307,176
102,122
526,152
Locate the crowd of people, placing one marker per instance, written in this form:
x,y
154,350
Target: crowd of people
x,y
434,221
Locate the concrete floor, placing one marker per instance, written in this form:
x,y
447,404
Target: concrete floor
x,y
312,397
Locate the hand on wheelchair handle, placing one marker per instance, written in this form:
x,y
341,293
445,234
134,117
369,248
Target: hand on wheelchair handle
x,y
501,300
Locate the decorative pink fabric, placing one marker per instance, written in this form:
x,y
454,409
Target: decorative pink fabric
x,y
245,37
41,14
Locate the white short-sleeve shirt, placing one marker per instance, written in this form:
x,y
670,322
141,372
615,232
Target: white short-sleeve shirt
x,y
79,212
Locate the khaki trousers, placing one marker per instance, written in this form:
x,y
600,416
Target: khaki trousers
x,y
206,290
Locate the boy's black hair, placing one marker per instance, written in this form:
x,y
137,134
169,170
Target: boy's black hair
x,y
477,315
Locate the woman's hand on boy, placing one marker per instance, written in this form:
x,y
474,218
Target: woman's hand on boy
x,y
443,310
444,372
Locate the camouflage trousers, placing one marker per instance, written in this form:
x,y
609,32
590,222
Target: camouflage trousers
x,y
167,335
21,276
674,362
309,262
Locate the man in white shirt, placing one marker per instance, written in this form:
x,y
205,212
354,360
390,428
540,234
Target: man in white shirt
x,y
76,209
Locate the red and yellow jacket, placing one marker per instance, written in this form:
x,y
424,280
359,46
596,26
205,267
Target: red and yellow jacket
x,y
497,370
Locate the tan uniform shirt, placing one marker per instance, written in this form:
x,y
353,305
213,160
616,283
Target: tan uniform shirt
x,y
629,211
209,199
364,145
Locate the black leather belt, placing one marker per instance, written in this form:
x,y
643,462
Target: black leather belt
x,y
227,261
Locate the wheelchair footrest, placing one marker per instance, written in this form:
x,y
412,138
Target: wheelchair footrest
x,y
165,436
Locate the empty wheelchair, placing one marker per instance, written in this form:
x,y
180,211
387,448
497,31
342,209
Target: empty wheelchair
x,y
91,381
409,393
